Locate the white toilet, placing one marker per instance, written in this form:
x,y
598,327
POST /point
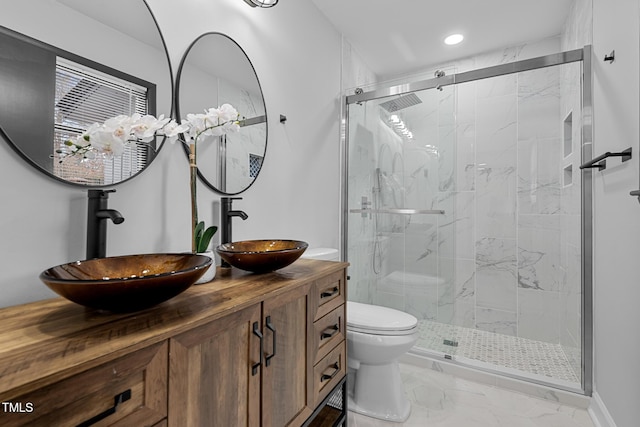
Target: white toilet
x,y
376,337
327,254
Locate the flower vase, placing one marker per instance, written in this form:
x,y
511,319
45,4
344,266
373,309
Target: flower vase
x,y
210,274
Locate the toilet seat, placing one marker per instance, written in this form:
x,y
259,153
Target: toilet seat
x,y
377,320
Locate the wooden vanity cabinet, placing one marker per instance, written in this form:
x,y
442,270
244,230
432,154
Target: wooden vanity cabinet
x,y
217,377
243,350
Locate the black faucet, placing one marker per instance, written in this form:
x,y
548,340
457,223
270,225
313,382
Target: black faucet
x,y
97,214
226,215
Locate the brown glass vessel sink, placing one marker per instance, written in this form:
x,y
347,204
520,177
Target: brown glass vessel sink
x,y
126,283
261,256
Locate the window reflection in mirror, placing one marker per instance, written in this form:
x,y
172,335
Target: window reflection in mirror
x,y
215,70
83,96
101,64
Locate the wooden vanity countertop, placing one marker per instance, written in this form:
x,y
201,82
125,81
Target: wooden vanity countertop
x,y
46,341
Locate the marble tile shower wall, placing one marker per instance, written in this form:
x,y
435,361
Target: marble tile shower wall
x,y
516,216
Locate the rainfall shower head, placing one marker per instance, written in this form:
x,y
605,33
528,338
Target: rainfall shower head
x,y
401,102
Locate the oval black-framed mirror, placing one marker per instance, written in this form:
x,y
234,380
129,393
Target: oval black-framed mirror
x,y
215,70
66,64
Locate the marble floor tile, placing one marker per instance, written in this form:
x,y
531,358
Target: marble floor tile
x,y
443,400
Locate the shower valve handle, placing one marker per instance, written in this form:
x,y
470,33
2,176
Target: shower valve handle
x,y
365,205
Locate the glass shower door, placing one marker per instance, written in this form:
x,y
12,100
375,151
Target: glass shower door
x,y
464,210
401,204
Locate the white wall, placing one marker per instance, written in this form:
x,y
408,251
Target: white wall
x,y
296,54
617,215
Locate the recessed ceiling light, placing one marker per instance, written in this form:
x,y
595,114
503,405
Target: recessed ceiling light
x,y
454,39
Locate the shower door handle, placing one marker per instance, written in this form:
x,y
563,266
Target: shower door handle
x,y
401,211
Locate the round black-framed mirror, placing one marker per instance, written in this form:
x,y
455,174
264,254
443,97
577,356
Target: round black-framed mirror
x,y
215,70
58,82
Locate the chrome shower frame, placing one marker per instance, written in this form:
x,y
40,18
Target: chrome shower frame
x,y
583,55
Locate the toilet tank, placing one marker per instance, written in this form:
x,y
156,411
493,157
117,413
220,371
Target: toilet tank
x,y
327,254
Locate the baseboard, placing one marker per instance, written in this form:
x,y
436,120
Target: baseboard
x,y
599,413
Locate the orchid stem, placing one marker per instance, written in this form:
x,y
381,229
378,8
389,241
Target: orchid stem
x,y
193,169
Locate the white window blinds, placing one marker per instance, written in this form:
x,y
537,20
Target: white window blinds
x,y
84,96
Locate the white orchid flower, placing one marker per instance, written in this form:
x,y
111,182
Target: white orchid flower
x,y
111,137
108,141
146,127
227,113
231,126
171,130
196,123
84,140
212,116
214,131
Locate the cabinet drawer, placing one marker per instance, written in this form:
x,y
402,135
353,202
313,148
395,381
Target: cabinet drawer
x,y
329,293
128,391
328,332
329,371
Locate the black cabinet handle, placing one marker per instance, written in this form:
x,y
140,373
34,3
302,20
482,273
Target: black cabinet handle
x,y
326,377
329,332
332,292
117,400
256,332
267,359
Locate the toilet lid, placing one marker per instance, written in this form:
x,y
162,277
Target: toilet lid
x,y
376,319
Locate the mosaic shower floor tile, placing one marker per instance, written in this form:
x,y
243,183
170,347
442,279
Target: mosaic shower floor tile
x,y
506,351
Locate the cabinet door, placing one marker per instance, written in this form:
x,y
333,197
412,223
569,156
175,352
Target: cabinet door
x,y
211,380
287,388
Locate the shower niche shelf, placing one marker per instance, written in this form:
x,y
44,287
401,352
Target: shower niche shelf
x,y
567,176
567,134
